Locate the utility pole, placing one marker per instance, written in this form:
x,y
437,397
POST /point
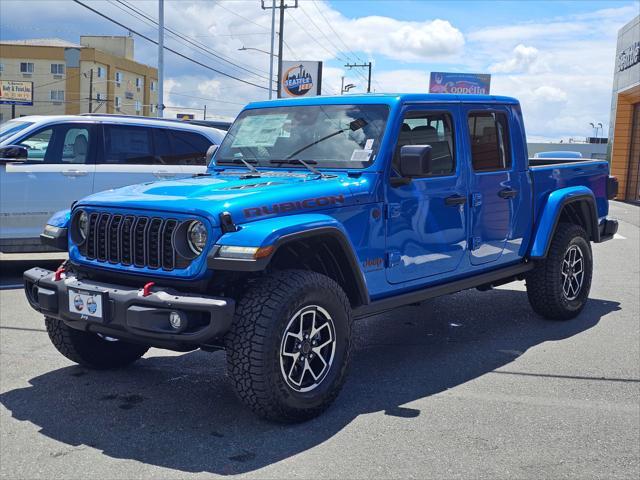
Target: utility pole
x,y
160,58
362,65
91,91
342,86
282,8
204,117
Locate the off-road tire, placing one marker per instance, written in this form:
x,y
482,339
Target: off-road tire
x,y
545,281
253,344
89,349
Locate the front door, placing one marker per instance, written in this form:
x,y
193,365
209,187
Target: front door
x,y
58,171
426,218
493,183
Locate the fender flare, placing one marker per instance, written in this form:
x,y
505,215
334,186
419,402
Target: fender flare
x,y
277,232
550,217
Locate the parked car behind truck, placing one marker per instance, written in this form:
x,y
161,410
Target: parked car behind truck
x,y
67,157
318,211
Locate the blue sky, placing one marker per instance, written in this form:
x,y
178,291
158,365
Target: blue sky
x,y
557,57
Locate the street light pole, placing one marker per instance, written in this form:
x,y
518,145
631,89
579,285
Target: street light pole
x,y
273,35
160,58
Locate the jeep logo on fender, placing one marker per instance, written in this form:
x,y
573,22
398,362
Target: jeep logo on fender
x,y
290,206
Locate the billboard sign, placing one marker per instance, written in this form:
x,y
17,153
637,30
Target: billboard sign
x,y
460,83
185,116
300,79
16,92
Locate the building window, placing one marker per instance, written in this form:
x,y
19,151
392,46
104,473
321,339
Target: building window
x,y
153,86
119,78
57,68
139,82
1,67
138,106
26,67
152,108
118,102
100,72
99,96
56,95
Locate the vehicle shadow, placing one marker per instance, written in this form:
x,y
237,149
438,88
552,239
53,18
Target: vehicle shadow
x,y
179,412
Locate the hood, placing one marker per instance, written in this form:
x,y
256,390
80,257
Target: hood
x,y
246,197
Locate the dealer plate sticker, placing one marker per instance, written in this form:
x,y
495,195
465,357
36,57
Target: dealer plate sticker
x,y
85,303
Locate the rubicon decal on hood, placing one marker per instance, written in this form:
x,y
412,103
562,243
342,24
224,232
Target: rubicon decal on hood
x,y
291,206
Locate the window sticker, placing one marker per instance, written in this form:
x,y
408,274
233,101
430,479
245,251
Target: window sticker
x,y
360,155
368,144
260,131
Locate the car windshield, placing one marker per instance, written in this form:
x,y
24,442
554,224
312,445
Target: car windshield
x,y
334,136
12,126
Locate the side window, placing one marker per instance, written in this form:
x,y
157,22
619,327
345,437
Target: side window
x,y
429,128
162,146
38,145
60,144
188,148
128,145
489,138
75,145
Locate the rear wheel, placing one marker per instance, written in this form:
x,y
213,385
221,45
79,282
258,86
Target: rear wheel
x,y
289,345
558,287
90,349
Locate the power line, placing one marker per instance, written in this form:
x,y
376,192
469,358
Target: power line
x,y
189,40
338,51
355,55
106,17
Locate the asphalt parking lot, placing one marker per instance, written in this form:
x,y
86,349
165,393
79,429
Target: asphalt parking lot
x,y
473,385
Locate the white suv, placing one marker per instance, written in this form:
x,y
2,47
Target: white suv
x,y
71,156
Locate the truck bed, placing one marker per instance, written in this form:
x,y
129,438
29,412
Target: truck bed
x,y
549,174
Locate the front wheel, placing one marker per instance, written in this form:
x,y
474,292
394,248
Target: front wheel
x,y
90,349
558,287
289,345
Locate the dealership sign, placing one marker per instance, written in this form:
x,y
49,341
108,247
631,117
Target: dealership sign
x,y
628,57
16,93
445,82
300,79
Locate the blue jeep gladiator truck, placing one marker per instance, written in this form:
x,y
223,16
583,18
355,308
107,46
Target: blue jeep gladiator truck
x,y
314,212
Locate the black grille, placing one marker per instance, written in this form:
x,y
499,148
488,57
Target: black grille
x,y
132,240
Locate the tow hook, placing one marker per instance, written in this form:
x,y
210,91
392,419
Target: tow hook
x,y
146,290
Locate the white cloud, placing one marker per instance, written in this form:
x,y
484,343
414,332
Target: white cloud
x,y
522,60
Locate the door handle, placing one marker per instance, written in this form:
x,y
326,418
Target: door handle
x,y
508,193
163,174
74,173
455,200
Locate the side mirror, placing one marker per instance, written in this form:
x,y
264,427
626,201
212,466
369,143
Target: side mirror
x,y
415,160
13,153
210,153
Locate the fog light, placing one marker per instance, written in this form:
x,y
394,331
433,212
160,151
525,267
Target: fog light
x,y
175,319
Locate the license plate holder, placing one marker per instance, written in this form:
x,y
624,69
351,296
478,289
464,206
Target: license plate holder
x,y
88,304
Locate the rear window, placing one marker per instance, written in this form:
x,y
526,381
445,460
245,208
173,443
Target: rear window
x,y
489,138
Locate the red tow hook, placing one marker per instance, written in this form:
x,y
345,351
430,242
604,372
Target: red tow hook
x,y
58,275
146,290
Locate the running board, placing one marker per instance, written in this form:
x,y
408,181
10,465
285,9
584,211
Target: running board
x,y
509,274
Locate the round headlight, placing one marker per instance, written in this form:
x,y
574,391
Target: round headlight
x,y
83,224
197,237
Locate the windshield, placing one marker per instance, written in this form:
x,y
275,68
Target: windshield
x,y
335,136
12,126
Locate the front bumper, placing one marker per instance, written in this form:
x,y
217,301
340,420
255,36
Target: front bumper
x,y
129,315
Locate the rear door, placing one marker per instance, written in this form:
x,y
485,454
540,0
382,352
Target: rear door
x,y
59,170
495,184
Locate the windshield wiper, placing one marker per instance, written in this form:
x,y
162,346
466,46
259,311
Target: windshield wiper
x,y
296,161
246,163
